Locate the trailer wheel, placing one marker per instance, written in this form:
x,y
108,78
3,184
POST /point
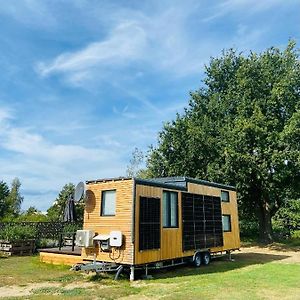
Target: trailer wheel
x,y
197,260
206,258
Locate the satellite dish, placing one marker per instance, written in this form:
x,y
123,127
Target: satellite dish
x,y
79,191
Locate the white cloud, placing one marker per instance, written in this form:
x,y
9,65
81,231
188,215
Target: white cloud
x,y
139,42
29,12
5,114
157,42
224,8
125,43
44,166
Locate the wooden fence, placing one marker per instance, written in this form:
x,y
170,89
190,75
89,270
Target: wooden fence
x,y
26,247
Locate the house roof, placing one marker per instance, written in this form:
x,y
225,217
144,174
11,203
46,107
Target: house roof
x,y
179,183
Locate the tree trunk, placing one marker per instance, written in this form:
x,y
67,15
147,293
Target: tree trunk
x,y
265,224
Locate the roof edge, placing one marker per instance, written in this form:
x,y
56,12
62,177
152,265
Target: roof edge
x,y
210,183
160,184
109,179
169,183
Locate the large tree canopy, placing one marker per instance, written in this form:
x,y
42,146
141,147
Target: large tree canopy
x,y
242,128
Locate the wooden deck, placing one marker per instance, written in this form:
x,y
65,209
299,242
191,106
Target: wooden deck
x,y
63,250
63,256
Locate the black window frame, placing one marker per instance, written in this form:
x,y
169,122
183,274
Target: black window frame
x,y
230,227
227,192
102,203
169,208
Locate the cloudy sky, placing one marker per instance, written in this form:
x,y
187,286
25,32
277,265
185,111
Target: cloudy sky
x,y
83,83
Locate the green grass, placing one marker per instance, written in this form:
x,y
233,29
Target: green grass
x,y
28,269
250,276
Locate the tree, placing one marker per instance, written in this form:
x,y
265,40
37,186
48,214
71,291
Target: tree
x,y
14,199
287,218
32,214
134,169
241,128
56,211
4,192
31,211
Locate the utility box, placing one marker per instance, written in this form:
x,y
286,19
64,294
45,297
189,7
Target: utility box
x,y
115,239
84,238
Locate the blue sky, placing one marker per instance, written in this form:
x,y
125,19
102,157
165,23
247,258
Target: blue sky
x,y
83,83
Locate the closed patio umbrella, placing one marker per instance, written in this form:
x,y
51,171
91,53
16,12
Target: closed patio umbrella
x,y
69,213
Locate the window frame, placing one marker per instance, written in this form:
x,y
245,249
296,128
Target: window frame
x,y
169,215
229,219
103,203
227,192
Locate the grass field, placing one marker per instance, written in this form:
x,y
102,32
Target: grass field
x,y
256,273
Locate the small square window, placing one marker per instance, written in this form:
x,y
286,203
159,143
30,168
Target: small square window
x,y
108,203
226,221
225,196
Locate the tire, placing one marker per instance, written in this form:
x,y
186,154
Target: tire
x,y
206,258
197,260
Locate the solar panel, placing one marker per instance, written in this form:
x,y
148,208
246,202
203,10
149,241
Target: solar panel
x,y
201,221
149,226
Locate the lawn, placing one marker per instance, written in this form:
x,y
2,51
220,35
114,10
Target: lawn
x,y
255,274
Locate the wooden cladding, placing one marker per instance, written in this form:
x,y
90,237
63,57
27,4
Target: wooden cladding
x,y
121,221
149,225
201,221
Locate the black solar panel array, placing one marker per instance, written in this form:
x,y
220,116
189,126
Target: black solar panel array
x,y
202,221
149,226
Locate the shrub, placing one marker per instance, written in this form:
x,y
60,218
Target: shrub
x,y
71,227
46,243
287,219
296,234
17,232
248,229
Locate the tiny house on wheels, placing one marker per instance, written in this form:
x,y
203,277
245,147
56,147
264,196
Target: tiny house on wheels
x,y
150,223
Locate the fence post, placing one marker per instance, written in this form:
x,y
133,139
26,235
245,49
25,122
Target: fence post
x,y
60,241
73,240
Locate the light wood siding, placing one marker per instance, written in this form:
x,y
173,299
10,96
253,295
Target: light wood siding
x,y
170,244
231,239
60,259
171,238
105,224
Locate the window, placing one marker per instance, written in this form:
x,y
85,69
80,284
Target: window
x,y
225,196
226,221
170,209
108,204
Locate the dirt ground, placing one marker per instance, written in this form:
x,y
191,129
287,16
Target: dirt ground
x,y
278,253
255,254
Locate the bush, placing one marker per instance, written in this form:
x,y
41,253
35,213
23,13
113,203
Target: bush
x,y
296,234
46,243
17,232
248,229
287,219
71,227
